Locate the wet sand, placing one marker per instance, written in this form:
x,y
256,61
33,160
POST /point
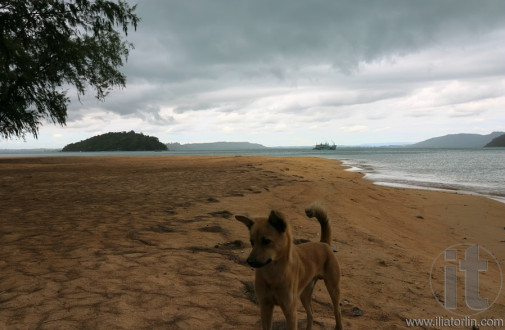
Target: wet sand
x,y
151,242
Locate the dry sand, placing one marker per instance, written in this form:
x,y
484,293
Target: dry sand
x,y
151,242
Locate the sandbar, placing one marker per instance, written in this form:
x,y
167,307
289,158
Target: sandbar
x,y
151,242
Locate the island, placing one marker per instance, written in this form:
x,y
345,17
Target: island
x,y
498,142
118,141
462,140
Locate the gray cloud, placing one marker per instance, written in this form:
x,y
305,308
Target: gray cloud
x,y
194,47
204,37
250,66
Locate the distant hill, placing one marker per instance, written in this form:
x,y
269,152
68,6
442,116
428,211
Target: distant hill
x,y
498,142
215,146
458,141
119,141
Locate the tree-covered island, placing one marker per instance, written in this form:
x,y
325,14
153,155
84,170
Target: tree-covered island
x,y
118,141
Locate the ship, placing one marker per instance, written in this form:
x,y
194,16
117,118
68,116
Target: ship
x,y
325,146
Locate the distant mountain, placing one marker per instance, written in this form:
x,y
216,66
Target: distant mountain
x,y
498,142
215,146
458,141
120,141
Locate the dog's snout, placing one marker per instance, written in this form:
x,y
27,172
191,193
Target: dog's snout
x,y
257,264
253,263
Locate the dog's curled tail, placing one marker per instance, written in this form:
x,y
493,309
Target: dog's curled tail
x,y
317,211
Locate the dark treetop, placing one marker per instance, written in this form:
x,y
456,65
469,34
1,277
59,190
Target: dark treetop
x,y
48,47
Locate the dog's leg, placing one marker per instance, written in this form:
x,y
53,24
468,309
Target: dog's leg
x,y
332,285
289,310
306,298
267,311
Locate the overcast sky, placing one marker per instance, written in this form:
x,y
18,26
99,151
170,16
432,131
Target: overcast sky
x,y
298,72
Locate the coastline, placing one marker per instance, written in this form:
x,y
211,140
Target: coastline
x,y
133,242
462,171
394,167
440,188
420,185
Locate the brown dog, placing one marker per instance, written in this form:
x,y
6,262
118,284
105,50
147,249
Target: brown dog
x,y
285,271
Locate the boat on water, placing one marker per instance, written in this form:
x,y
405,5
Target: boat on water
x,y
325,146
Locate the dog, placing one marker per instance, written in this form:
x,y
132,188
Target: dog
x,y
285,271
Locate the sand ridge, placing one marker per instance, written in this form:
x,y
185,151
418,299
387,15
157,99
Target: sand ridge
x,y
151,243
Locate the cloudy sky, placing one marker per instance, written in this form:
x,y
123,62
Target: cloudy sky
x,y
296,72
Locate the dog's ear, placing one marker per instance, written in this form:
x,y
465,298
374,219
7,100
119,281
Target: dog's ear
x,y
276,219
245,220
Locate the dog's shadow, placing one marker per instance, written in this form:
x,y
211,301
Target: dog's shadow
x,y
281,325
302,324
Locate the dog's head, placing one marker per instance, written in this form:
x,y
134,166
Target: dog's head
x,y
270,238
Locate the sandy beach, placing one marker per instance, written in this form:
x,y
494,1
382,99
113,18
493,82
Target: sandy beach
x,y
151,242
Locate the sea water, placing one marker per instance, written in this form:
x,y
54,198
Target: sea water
x,y
480,171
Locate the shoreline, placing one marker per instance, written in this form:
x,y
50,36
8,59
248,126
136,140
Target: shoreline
x,y
359,159
151,242
367,173
440,188
365,169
